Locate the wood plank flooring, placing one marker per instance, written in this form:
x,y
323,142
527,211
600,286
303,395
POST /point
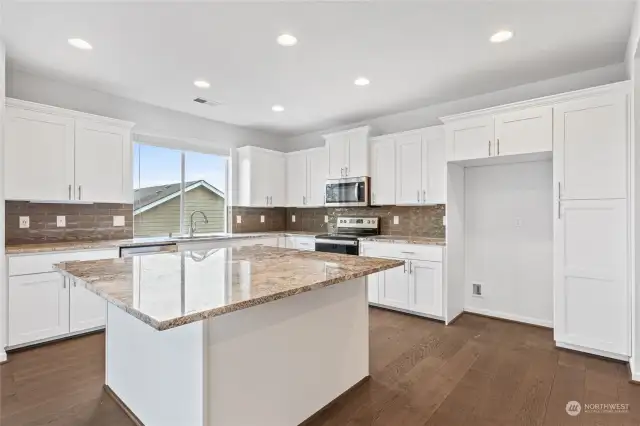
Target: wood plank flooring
x,y
478,372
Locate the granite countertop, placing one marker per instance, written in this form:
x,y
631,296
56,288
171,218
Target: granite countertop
x,y
406,240
167,290
45,247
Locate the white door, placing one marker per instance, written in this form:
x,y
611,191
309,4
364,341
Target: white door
x,y
525,131
38,162
276,178
383,172
373,283
317,169
590,275
103,163
38,307
358,156
425,287
86,309
337,146
590,148
394,288
469,139
434,176
409,166
296,179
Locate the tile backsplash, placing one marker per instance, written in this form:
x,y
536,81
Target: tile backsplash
x,y
83,222
274,219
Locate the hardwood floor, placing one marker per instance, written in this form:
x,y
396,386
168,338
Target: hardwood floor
x,y
478,372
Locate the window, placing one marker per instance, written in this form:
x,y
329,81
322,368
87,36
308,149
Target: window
x,y
170,185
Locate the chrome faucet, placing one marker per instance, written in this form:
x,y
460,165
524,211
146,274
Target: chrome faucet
x,y
192,227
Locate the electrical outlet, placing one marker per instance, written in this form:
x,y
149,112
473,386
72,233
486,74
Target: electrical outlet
x,y
477,289
118,221
24,221
61,221
444,221
238,219
293,218
396,220
518,222
326,219
261,218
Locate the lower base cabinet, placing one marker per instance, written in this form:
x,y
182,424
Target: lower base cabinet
x,y
87,310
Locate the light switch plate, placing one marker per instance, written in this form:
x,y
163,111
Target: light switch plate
x,y
238,219
326,219
118,221
396,220
24,221
293,218
61,221
261,218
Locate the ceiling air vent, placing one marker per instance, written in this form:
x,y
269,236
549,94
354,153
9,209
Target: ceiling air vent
x,y
206,102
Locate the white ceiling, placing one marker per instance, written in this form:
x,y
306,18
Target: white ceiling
x,y
414,53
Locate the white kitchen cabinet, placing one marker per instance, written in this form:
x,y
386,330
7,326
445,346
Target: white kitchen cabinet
x,y
373,286
470,139
52,154
383,171
301,243
86,309
524,131
394,288
420,167
425,287
348,153
306,177
261,177
38,307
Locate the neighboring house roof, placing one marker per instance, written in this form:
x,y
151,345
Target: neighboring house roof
x,y
152,196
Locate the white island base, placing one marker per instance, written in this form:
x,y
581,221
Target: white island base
x,y
274,364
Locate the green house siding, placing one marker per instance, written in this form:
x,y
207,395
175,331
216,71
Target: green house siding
x,y
165,218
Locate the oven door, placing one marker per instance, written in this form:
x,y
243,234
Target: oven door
x,y
337,246
352,192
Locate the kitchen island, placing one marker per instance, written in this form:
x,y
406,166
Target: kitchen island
x,y
232,336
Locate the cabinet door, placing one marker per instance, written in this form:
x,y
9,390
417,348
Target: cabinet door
x,y
275,176
358,156
590,275
383,172
394,289
103,163
269,242
317,169
373,284
434,175
425,287
590,148
304,243
470,139
87,310
524,131
337,146
296,179
409,165
38,307
38,162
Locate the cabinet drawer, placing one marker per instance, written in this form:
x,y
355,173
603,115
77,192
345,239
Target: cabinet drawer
x,y
39,263
404,251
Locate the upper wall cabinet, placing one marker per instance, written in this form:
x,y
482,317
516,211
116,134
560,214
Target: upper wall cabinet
x,y
261,177
383,170
52,154
348,153
521,131
306,176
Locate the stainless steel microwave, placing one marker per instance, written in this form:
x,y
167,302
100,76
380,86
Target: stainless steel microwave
x,y
348,192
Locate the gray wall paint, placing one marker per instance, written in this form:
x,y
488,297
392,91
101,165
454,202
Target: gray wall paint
x,y
429,115
154,123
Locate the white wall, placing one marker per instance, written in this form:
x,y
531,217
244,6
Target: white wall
x,y
3,273
509,241
153,124
429,115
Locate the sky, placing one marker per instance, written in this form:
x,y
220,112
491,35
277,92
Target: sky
x,y
155,166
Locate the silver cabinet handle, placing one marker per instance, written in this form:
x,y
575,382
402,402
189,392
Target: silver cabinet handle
x,y
408,252
410,271
304,200
489,147
405,266
270,200
79,192
424,196
498,143
558,200
266,200
418,191
64,283
69,191
342,172
75,284
373,197
346,171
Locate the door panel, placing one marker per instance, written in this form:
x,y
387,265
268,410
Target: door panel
x,y
383,172
470,139
337,148
87,310
373,284
296,179
317,171
409,160
591,282
524,131
425,287
434,176
358,156
590,148
394,289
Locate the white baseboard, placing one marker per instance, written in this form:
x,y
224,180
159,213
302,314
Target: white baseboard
x,y
510,317
407,311
3,356
635,372
592,351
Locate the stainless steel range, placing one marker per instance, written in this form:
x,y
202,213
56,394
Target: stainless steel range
x,y
348,231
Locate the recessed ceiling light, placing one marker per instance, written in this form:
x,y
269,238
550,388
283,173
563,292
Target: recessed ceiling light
x,y
80,44
501,36
277,108
361,81
202,84
287,40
